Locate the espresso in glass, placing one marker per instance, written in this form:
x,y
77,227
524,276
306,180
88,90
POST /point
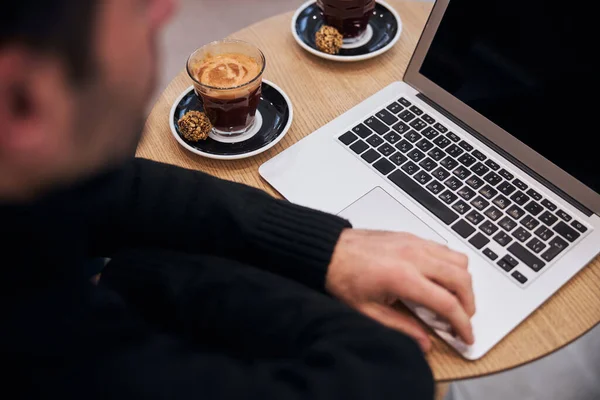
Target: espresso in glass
x,y
227,76
349,17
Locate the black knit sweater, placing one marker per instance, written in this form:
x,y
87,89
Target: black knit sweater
x,y
215,291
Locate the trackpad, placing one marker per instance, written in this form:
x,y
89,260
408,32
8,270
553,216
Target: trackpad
x,y
377,210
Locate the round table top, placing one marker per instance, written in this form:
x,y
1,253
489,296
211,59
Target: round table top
x,y
322,90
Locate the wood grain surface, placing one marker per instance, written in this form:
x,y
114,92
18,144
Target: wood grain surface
x,y
320,91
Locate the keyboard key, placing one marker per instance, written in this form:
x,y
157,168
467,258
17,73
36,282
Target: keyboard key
x,y
507,224
430,133
425,145
412,136
440,128
348,138
479,241
475,218
449,163
506,175
475,182
423,177
418,124
520,198
437,154
530,223
448,197
442,141
386,149
544,233
479,169
488,192
371,156
522,279
441,174
506,188
548,218
386,117
566,231
362,131
404,102
490,254
501,202
453,183
454,151
564,216
392,137
463,228
467,160
480,204
492,165
428,164
453,136
549,205
534,208
416,155
404,146
479,155
359,147
557,245
525,255
428,119
462,173
579,226
493,178
395,108
536,196
515,212
436,187
466,146
493,213
536,246
384,166
502,238
410,168
401,128
488,228
377,125
412,188
466,193
518,183
398,158
416,110
375,141
508,263
521,234
407,116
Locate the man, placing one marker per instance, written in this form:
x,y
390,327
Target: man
x,y
215,290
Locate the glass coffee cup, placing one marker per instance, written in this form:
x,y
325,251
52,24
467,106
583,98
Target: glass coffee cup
x,y
227,77
349,17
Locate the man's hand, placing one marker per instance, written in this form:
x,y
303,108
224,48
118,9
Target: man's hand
x,y
372,270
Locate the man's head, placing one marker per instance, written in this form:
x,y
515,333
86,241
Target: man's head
x,y
75,76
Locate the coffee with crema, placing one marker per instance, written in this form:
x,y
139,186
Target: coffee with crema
x,y
230,89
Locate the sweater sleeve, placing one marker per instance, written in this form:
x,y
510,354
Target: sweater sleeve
x,y
151,205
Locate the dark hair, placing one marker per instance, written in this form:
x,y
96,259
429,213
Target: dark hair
x,y
60,27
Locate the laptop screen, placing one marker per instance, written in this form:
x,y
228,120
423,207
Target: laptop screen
x,y
528,67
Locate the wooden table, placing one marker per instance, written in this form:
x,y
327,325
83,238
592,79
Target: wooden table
x,y
564,318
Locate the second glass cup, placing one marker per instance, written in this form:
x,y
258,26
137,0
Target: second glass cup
x,y
227,76
349,17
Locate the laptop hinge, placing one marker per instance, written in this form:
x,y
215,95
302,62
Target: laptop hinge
x,y
508,156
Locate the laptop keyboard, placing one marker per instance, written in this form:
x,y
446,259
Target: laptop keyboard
x,y
510,223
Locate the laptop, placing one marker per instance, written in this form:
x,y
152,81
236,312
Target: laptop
x,y
485,146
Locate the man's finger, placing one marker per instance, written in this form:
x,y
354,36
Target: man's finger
x,y
457,281
434,297
400,322
445,253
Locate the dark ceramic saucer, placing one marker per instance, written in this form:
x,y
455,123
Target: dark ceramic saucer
x,y
273,120
383,33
